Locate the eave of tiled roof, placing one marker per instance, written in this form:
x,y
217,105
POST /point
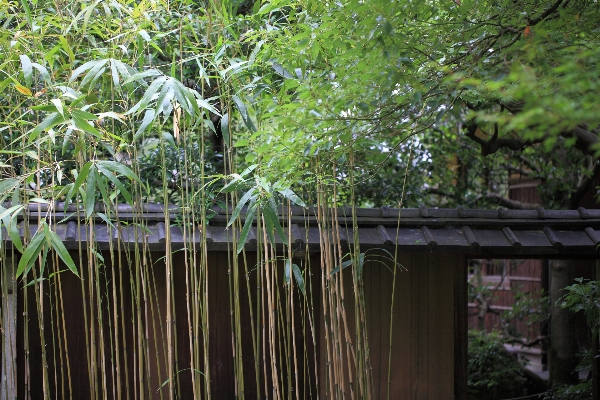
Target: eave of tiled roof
x,y
499,232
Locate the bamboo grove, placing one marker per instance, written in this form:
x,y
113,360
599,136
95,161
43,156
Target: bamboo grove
x,y
240,110
118,102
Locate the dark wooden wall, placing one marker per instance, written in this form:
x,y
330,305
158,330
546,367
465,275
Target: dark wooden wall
x,y
429,327
429,331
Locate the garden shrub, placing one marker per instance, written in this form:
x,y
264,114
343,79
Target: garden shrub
x,y
494,373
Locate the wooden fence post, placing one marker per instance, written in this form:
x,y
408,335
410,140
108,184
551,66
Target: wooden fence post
x,y
8,383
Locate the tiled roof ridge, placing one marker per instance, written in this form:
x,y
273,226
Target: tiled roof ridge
x,y
484,232
156,211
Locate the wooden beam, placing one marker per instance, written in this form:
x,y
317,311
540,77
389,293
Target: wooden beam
x,y
8,382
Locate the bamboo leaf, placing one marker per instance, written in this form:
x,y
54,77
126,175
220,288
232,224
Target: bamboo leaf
x,y
245,198
94,74
114,73
84,125
235,184
120,169
13,233
50,121
84,115
247,225
359,265
43,71
9,218
59,106
25,4
106,219
225,128
6,212
7,185
185,98
81,69
146,122
142,75
90,193
289,194
344,265
81,177
271,214
288,271
27,69
299,278
23,90
45,107
289,268
169,139
149,95
163,103
116,182
244,113
62,252
30,254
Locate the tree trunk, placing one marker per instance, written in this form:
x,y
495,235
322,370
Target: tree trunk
x,y
563,343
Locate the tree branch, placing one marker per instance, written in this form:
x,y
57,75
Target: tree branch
x,y
546,13
584,186
496,143
585,139
508,203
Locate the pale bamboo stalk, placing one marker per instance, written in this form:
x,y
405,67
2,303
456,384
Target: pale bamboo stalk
x,y
8,385
92,301
395,270
122,308
271,316
350,356
64,332
147,301
156,316
280,326
102,349
205,321
170,366
137,295
289,224
325,278
115,324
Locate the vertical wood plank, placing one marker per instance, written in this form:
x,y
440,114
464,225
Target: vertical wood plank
x,y
401,366
376,324
419,357
441,326
460,328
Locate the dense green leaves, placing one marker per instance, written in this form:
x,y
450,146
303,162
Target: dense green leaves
x,y
373,103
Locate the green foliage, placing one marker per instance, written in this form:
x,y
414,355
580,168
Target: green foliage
x,y
584,297
493,373
580,391
376,102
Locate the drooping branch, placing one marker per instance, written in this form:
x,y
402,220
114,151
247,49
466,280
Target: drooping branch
x,y
546,13
585,139
501,200
495,143
584,187
508,203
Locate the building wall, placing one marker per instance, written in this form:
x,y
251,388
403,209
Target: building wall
x,y
428,341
